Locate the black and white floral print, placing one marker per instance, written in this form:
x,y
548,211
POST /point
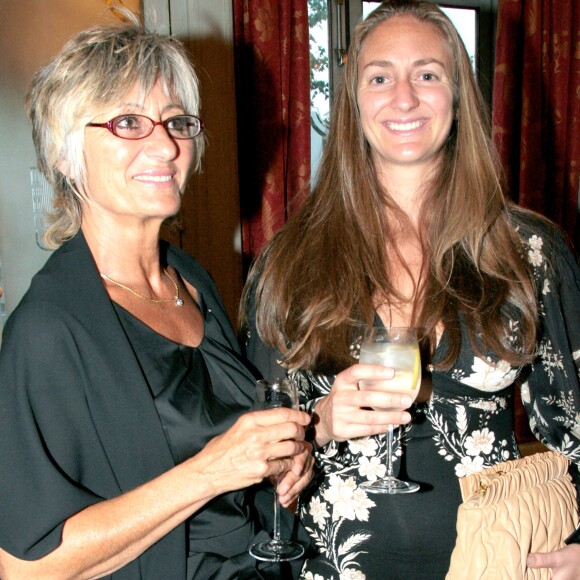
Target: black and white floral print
x,y
469,419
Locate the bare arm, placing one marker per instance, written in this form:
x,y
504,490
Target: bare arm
x,y
104,537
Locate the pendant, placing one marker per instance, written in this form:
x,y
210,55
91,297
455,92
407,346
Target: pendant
x,y
178,301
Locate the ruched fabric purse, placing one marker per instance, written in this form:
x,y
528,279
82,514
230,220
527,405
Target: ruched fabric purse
x,y
509,510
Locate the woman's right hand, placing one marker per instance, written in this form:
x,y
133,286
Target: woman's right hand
x,y
346,412
260,444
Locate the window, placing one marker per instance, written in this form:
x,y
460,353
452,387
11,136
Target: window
x,y
331,25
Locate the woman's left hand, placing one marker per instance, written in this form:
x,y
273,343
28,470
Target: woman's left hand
x,y
564,563
295,480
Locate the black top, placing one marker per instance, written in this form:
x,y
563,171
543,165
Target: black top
x,y
78,424
193,408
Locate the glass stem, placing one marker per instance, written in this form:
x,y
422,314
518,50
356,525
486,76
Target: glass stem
x,y
390,451
276,532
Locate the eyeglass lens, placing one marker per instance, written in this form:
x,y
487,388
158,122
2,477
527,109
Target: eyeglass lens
x,y
139,126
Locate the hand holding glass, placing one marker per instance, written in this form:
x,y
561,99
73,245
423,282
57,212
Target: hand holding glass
x,y
398,348
270,395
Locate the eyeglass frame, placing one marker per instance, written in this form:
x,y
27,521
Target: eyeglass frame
x,y
110,125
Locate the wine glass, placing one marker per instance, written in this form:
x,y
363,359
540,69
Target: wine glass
x,y
269,395
398,348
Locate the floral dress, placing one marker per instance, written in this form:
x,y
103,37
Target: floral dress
x,y
467,425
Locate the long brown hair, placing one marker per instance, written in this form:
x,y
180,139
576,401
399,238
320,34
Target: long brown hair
x,y
321,271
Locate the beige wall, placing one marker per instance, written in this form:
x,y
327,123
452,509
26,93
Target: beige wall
x,y
31,32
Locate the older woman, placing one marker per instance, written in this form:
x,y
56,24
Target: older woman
x,y
407,225
125,438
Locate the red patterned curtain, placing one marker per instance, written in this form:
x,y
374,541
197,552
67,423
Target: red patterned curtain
x,y
536,105
273,93
536,114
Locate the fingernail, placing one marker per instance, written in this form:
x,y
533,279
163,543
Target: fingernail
x,y
406,400
530,560
406,417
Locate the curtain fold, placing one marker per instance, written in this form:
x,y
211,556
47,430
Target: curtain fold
x,y
536,115
536,105
273,97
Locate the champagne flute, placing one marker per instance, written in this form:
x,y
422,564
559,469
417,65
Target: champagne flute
x,y
398,348
269,395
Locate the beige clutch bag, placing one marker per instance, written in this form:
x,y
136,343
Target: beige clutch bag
x,y
509,510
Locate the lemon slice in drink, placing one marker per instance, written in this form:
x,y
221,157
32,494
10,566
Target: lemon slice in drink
x,y
416,371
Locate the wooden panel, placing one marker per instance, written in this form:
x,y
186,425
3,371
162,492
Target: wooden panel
x,y
210,226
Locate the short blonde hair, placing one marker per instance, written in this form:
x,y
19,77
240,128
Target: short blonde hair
x,y
98,67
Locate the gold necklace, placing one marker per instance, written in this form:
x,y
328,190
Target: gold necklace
x,y
176,298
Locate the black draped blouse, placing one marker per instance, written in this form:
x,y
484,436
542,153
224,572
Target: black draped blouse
x,y
94,404
194,405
